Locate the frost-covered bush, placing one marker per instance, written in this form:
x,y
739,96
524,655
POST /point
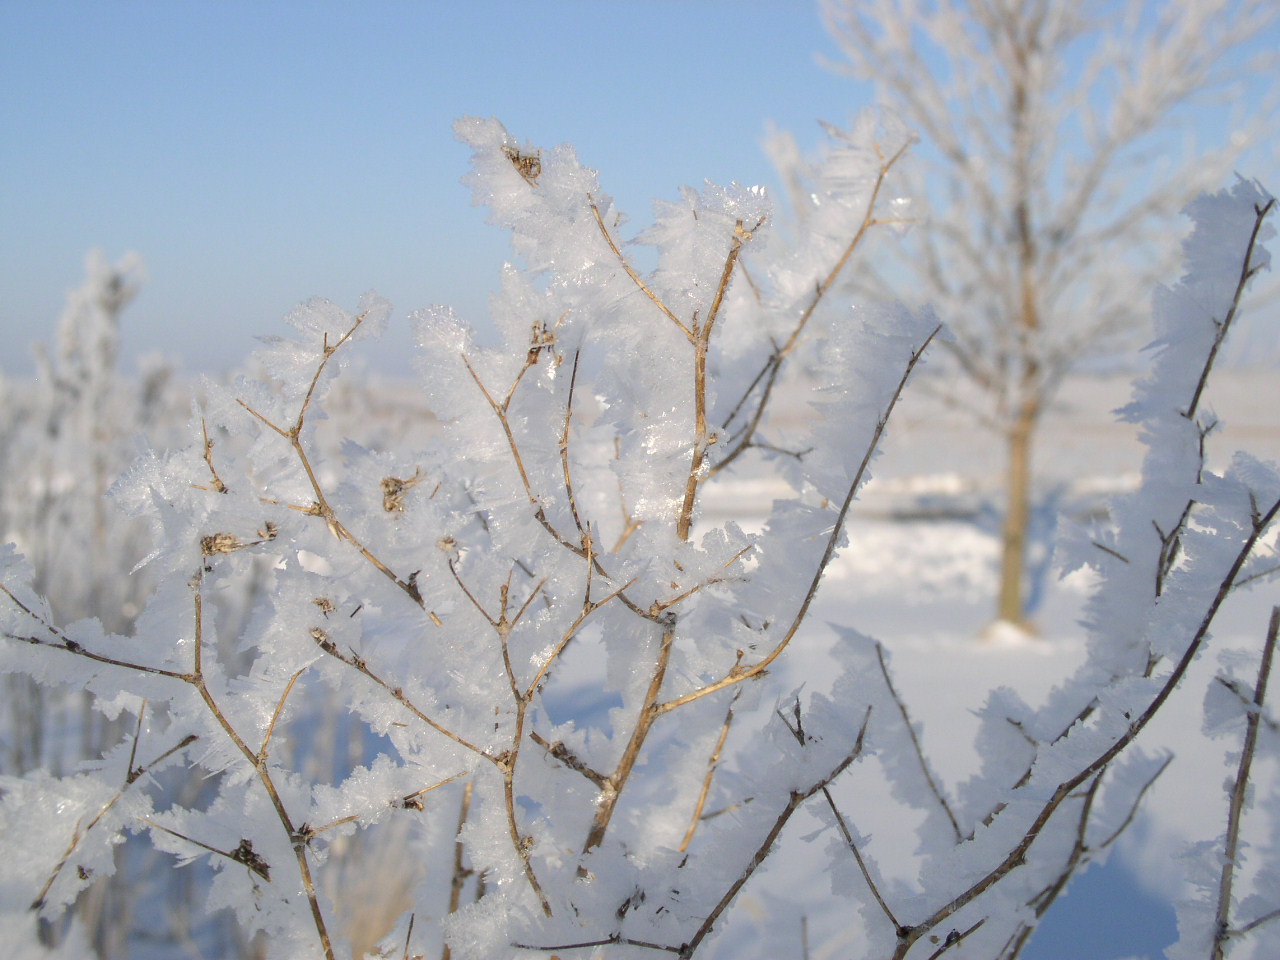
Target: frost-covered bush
x,y
566,671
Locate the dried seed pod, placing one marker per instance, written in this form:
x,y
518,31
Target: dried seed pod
x,y
220,543
394,489
528,165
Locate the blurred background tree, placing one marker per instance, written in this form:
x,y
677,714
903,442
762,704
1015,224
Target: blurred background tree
x,y
1054,166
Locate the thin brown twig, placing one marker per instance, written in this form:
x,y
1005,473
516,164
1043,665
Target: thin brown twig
x,y
740,673
649,711
508,761
584,549
1255,923
1133,807
1080,851
413,801
358,663
408,936
616,939
1221,327
322,507
245,853
1235,812
564,453
131,776
1066,788
500,411
635,277
712,762
701,340
773,366
588,608
558,751
794,802
1259,575
262,754
934,787
460,870
954,939
218,485
847,834
66,644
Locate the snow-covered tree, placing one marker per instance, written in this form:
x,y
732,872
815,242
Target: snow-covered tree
x,y
449,596
1054,146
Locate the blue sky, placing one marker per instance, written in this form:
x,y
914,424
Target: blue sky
x,y
258,153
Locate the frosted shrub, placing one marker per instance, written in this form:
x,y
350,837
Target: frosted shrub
x,y
457,600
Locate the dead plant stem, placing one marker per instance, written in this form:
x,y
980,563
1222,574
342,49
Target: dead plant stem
x,y
1235,812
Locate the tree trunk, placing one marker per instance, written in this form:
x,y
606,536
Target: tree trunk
x,y
1017,514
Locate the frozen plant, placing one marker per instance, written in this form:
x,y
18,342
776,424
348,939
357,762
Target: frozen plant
x,y
64,439
1060,168
568,670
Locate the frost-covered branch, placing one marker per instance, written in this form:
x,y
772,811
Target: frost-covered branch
x,y
607,702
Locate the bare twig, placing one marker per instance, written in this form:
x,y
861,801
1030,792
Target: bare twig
x,y
413,801
858,858
635,277
559,751
218,485
131,777
262,754
63,642
712,762
322,507
740,673
358,663
1235,813
954,939
1247,270
794,802
773,366
583,536
934,788
460,870
1134,805
1259,921
244,853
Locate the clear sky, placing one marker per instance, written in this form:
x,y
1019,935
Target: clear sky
x,y
258,153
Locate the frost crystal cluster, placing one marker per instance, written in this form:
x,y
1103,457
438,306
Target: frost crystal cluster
x,y
565,668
